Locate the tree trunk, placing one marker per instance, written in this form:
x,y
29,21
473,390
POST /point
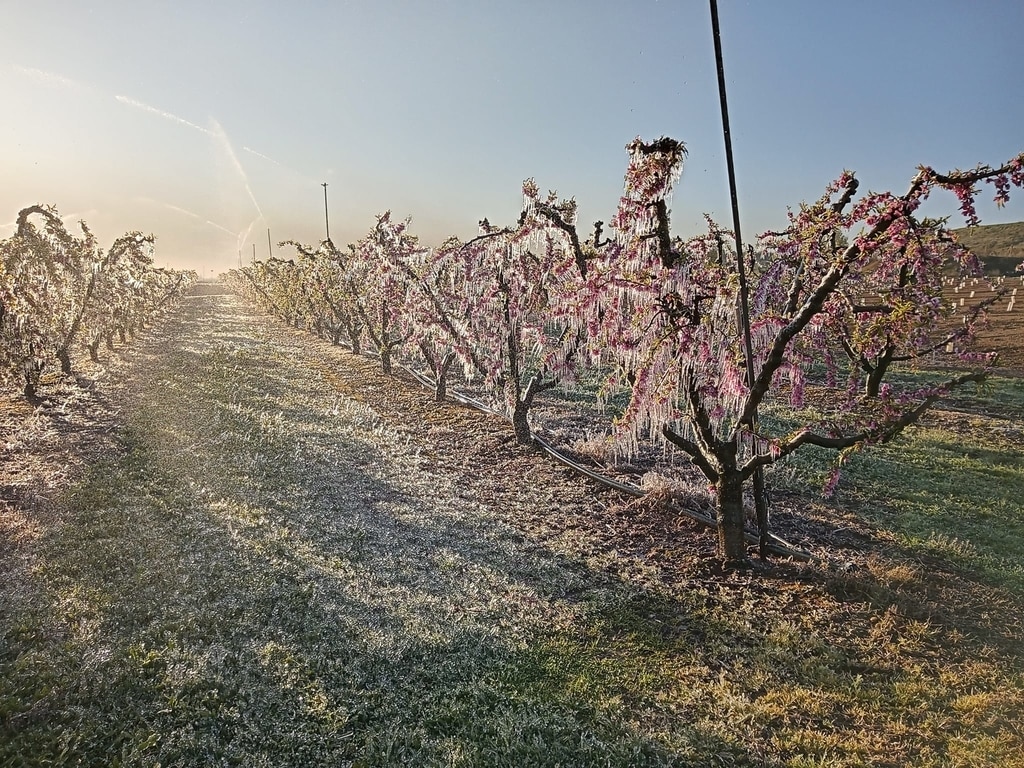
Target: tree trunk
x,y
732,546
520,423
441,377
524,402
110,341
874,383
877,373
65,361
385,359
94,348
32,371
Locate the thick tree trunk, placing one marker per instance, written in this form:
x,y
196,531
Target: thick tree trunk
x,y
94,351
32,372
520,423
876,375
385,359
441,377
65,361
732,545
874,383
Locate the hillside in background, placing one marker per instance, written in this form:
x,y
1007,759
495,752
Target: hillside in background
x,y
1001,246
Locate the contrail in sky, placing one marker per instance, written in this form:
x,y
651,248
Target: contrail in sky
x,y
217,132
221,136
252,151
279,164
218,226
175,208
50,78
162,113
190,214
243,236
53,79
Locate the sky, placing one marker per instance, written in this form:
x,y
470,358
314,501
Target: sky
x,y
209,124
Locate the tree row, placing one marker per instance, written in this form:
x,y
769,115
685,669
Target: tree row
x,y
61,292
697,340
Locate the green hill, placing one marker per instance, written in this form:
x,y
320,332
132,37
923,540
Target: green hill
x,y
1000,246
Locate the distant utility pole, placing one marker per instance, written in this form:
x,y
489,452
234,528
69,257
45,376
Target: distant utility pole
x,y
270,245
254,253
239,258
327,217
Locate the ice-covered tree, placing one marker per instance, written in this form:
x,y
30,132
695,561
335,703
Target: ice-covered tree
x,y
510,334
853,279
58,289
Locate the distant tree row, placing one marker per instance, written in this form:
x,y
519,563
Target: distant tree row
x,y
60,292
812,320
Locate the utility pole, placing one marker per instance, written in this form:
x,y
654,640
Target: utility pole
x,y
327,217
760,494
270,245
254,253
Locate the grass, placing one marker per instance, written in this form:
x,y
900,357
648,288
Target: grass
x,y
260,575
953,486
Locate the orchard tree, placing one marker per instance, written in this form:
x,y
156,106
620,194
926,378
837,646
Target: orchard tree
x,y
54,276
58,271
513,280
117,303
29,286
892,310
382,256
434,319
333,281
280,288
160,288
853,283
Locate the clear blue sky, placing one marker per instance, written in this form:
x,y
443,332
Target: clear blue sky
x,y
207,123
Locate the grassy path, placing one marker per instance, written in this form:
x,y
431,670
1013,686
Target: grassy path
x,y
260,569
267,574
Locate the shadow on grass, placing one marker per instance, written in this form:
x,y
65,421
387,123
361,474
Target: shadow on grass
x,y
238,585
245,584
941,523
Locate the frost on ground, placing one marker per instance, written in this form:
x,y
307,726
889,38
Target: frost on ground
x,y
232,544
260,562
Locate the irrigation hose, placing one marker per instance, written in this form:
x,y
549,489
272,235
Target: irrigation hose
x,y
776,545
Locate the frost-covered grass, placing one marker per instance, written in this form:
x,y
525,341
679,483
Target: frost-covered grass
x,y
269,572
